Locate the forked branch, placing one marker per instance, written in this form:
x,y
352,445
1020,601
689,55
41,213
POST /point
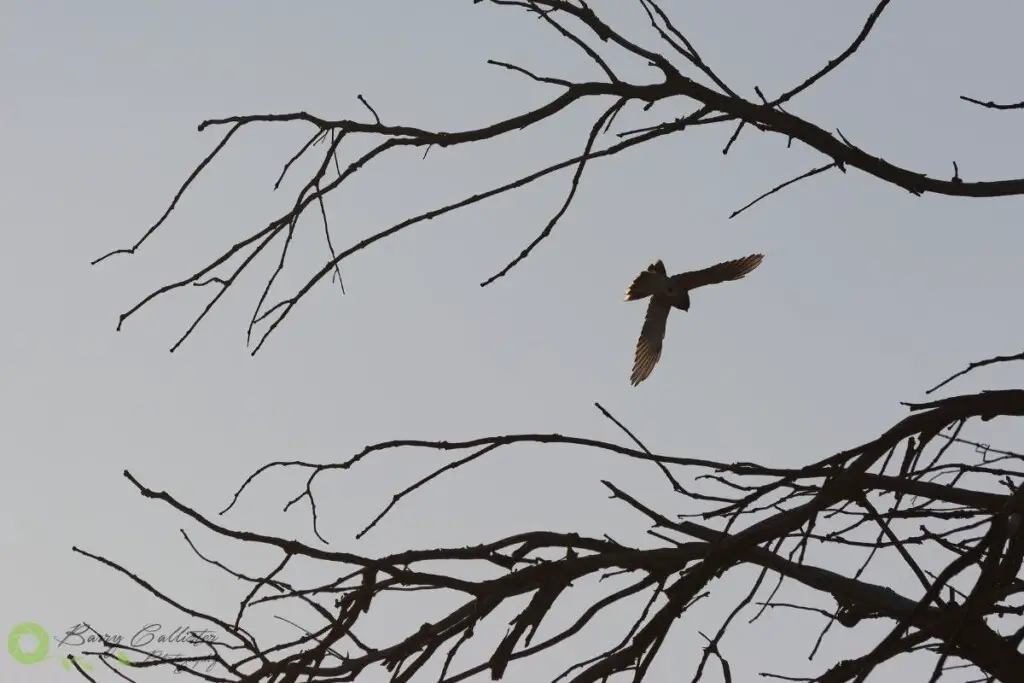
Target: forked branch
x,y
864,490
709,103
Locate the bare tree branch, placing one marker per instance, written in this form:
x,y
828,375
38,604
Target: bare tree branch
x,y
992,105
943,510
579,24
541,566
974,366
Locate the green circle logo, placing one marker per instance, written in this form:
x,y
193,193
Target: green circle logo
x,y
28,628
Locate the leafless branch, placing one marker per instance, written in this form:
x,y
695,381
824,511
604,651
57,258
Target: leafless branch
x,y
992,105
974,366
582,26
943,509
541,566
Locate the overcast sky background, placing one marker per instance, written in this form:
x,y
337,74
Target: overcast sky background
x,y
867,295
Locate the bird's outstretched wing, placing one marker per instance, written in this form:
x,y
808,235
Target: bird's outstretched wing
x,y
647,282
648,347
722,272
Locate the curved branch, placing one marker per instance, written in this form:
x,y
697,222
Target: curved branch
x,y
538,567
718,106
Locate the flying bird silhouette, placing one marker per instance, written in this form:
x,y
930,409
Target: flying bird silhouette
x,y
673,292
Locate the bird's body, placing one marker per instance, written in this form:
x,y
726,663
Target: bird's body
x,y
668,292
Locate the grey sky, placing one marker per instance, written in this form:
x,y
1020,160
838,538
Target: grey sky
x,y
866,297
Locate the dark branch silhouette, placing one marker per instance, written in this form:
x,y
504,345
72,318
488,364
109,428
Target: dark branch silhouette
x,y
974,366
922,496
899,494
717,103
992,105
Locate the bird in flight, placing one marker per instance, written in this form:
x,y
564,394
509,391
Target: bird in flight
x,y
673,292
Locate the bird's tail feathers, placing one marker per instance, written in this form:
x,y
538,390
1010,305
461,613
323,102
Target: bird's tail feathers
x,y
644,284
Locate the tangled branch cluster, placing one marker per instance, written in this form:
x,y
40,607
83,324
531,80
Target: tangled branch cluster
x,y
767,518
